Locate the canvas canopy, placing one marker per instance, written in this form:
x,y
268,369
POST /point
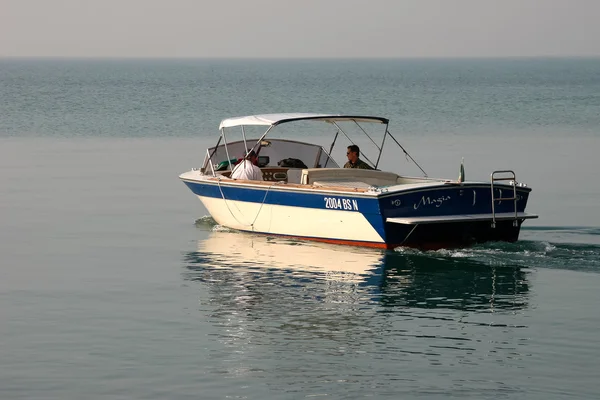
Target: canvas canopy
x,y
276,119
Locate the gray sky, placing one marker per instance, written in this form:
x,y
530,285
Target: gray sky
x,y
307,28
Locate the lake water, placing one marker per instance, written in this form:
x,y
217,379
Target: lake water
x,y
115,283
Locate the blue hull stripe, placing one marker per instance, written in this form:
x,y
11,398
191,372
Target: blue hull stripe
x,y
286,198
447,200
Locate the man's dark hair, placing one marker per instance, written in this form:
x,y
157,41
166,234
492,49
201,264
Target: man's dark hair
x,y
251,154
354,148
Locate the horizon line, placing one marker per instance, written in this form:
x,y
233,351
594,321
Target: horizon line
x,y
299,58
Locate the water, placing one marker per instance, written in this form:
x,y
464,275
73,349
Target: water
x,y
115,284
185,98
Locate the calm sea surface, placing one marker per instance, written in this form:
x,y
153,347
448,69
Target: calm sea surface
x,y
115,283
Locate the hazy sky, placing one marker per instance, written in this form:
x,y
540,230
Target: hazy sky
x,y
307,28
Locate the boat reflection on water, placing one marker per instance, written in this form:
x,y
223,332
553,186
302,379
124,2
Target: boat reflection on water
x,y
452,282
284,309
312,317
255,269
242,251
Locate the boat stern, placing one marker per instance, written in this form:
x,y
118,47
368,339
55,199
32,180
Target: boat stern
x,y
454,214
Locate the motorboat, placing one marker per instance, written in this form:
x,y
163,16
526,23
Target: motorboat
x,y
305,193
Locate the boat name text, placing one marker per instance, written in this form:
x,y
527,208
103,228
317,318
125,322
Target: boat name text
x,y
427,201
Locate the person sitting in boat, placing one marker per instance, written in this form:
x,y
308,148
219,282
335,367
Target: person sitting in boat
x,y
353,161
247,169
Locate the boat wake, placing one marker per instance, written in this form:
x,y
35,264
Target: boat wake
x,y
572,248
209,224
525,253
205,222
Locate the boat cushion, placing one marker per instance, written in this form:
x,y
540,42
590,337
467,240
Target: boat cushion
x,y
370,177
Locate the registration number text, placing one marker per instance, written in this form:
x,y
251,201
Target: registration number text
x,y
341,204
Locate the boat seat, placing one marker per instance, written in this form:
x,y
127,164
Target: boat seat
x,y
344,184
349,175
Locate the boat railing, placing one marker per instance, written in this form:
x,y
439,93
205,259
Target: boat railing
x,y
503,175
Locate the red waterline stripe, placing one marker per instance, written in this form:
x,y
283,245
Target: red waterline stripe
x,y
374,245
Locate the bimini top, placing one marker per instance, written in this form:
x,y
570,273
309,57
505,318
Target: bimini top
x,y
276,119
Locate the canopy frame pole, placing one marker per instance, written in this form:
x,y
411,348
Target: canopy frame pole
x,y
260,140
347,137
408,155
210,162
382,143
365,132
331,147
226,149
215,150
244,136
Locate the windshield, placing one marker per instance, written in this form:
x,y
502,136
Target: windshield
x,y
274,153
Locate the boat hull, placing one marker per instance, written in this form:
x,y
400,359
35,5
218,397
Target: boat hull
x,y
334,226
364,219
454,234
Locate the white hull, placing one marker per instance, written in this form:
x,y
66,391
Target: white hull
x,y
291,221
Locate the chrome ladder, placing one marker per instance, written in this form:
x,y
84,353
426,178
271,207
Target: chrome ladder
x,y
512,178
